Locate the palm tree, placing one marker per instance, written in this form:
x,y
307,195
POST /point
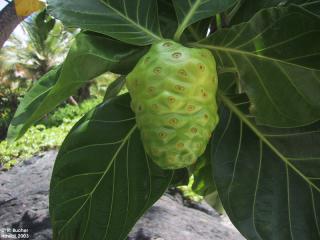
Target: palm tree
x,y
43,46
26,57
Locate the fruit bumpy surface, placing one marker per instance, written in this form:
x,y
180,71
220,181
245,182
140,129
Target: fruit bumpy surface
x,y
173,90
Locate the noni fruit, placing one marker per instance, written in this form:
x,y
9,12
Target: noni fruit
x,y
173,90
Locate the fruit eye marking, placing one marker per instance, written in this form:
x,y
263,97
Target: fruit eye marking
x,y
140,108
162,134
179,87
180,145
204,54
171,99
151,89
155,151
202,67
182,72
176,55
206,116
157,70
167,44
204,94
147,59
173,121
190,108
194,130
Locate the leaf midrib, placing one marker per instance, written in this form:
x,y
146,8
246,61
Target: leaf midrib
x,y
250,54
101,178
131,21
186,20
241,116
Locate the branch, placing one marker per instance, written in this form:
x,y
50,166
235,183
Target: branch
x,y
8,22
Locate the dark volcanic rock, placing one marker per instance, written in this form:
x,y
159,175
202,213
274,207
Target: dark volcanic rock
x,y
168,219
24,204
24,196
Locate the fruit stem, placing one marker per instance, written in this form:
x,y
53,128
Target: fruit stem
x,y
218,21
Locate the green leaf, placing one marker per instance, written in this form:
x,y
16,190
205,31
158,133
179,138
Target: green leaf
x,y
89,56
114,88
246,9
31,102
276,57
132,21
167,18
313,7
196,31
180,177
267,178
214,201
43,25
227,81
203,183
191,11
103,181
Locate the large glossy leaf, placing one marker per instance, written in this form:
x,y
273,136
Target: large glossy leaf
x,y
180,177
267,178
131,21
31,102
313,6
167,18
191,11
277,58
248,8
102,180
115,87
196,31
90,56
43,25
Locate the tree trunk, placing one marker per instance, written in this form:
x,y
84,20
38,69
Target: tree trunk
x,y
83,92
8,22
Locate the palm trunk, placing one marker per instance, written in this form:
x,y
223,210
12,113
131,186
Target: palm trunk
x,y
8,22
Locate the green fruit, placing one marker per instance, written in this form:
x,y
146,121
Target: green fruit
x,y
173,91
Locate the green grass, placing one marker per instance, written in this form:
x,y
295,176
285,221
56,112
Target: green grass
x,y
48,134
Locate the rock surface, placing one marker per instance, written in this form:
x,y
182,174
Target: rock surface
x,y
24,204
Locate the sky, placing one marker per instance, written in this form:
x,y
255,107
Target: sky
x,y
2,4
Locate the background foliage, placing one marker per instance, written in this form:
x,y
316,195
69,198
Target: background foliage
x,y
47,134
